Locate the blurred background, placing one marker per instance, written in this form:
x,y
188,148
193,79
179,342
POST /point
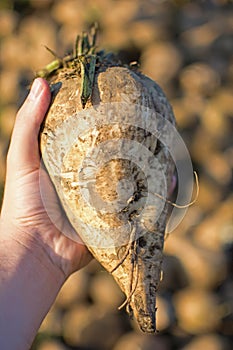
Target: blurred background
x,y
187,47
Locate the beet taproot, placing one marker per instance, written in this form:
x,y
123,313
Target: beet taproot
x,y
101,145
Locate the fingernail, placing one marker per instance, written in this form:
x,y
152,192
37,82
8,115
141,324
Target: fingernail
x,y
36,89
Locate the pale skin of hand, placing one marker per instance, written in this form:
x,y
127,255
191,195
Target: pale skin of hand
x,y
35,256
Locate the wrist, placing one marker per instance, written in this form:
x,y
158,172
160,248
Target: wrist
x,y
29,284
26,245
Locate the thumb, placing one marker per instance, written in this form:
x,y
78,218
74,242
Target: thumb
x,y
24,150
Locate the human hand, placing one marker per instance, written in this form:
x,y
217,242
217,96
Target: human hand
x,y
35,256
23,215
